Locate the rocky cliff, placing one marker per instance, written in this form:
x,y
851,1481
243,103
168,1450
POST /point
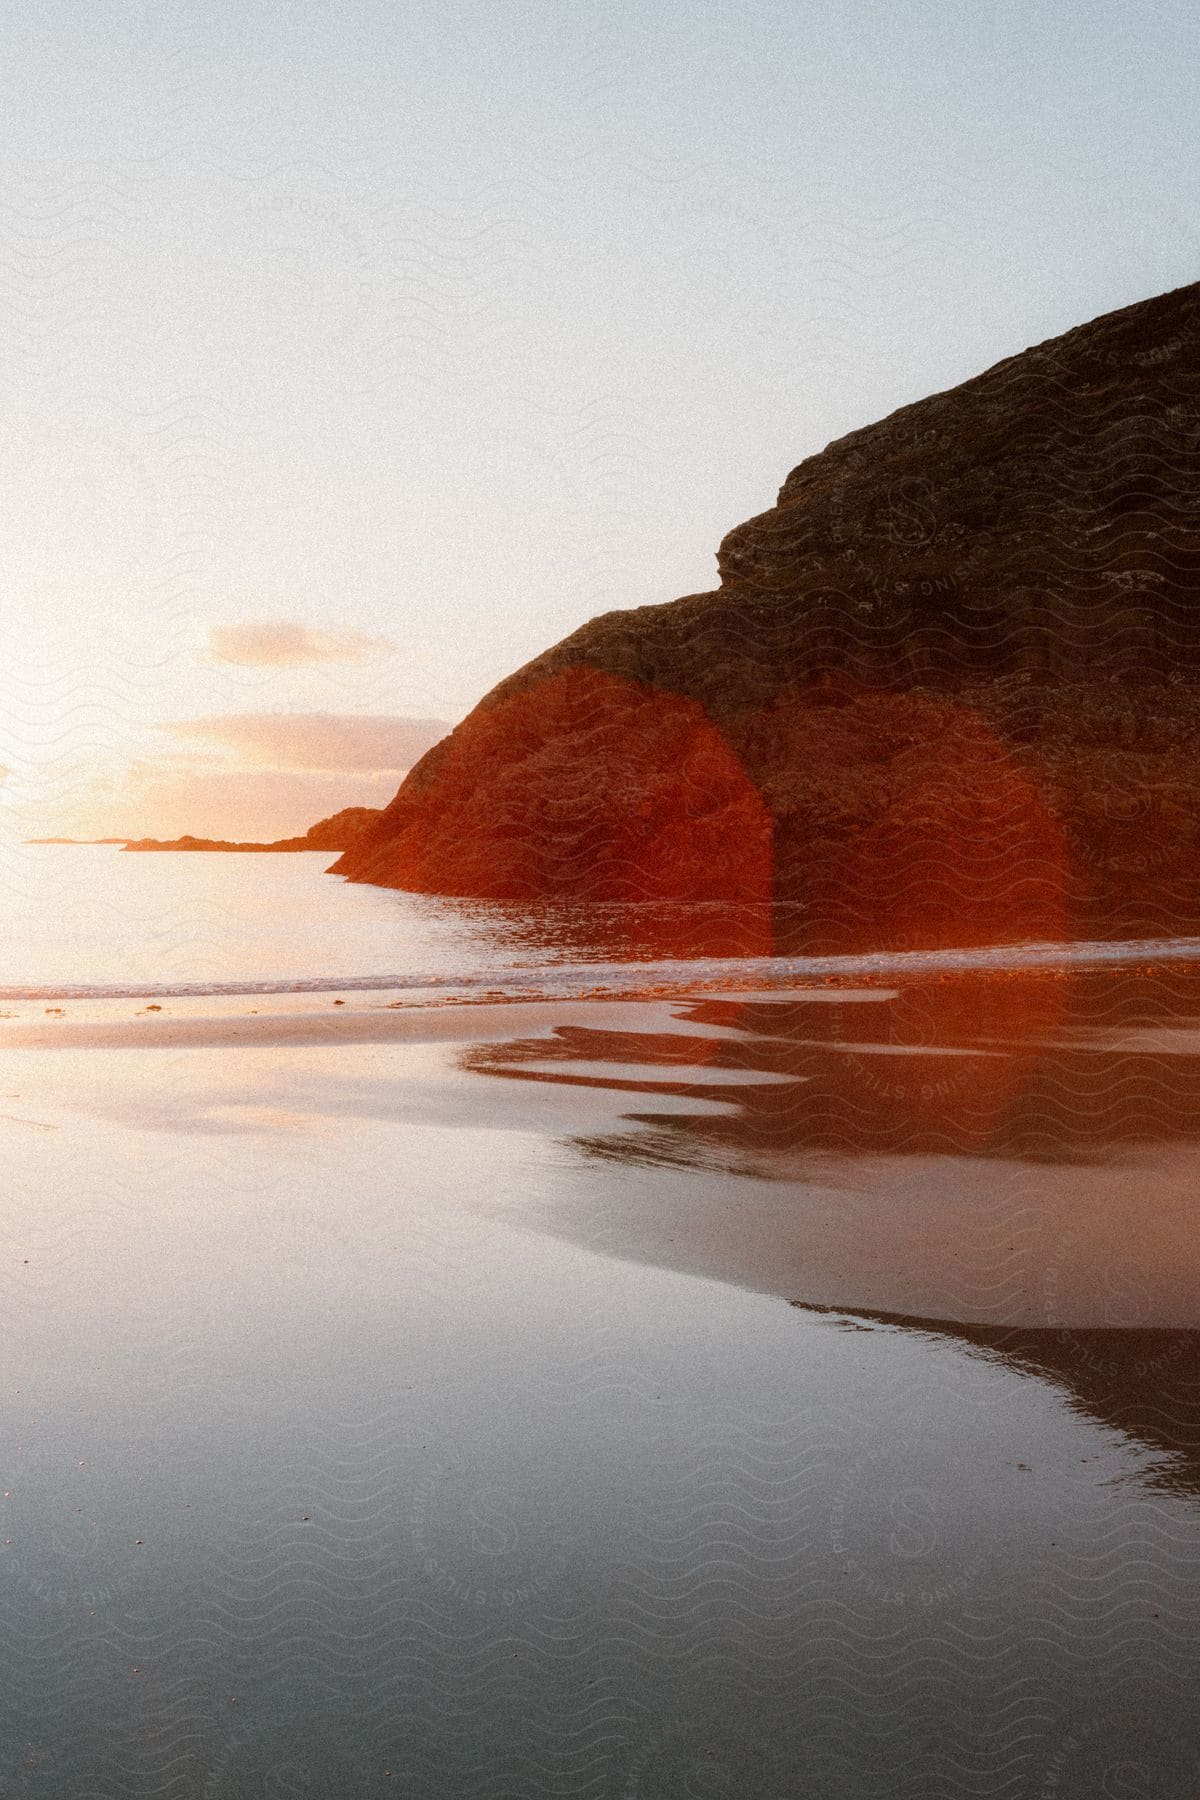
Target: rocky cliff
x,y
948,687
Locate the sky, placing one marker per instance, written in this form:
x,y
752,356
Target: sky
x,y
352,355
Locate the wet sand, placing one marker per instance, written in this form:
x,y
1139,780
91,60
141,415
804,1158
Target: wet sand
x,y
751,1393
201,1023
886,1158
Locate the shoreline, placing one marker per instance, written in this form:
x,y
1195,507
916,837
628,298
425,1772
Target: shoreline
x,y
636,977
418,1021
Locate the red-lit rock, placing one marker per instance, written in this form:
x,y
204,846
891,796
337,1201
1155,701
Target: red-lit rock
x,y
582,786
1023,550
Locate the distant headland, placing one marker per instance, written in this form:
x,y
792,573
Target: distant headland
x,y
338,832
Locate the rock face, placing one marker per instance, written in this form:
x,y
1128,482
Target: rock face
x,y
584,785
341,829
958,662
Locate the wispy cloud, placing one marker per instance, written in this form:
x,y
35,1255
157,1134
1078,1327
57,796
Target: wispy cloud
x,y
286,644
237,775
331,742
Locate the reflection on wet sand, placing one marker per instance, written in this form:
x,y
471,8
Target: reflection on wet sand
x,y
1008,1164
1039,1067
1143,1384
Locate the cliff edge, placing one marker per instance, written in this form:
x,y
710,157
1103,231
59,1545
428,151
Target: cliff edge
x,y
947,689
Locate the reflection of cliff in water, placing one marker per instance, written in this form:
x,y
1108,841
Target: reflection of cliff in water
x,y
1143,1384
1034,1066
1004,1161
1037,1073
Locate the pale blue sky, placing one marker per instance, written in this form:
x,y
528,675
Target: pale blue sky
x,y
455,325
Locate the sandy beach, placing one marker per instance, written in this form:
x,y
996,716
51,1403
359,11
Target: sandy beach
x,y
872,1173
409,1324
676,1388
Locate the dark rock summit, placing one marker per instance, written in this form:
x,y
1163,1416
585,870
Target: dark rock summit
x,y
958,662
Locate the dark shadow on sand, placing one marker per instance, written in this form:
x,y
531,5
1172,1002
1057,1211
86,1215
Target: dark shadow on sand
x,y
1143,1384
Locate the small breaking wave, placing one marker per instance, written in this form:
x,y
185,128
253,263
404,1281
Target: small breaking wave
x,y
562,981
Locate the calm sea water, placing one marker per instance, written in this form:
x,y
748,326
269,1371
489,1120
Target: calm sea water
x,y
783,1383
88,921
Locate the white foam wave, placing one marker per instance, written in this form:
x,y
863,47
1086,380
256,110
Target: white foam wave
x,y
574,980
